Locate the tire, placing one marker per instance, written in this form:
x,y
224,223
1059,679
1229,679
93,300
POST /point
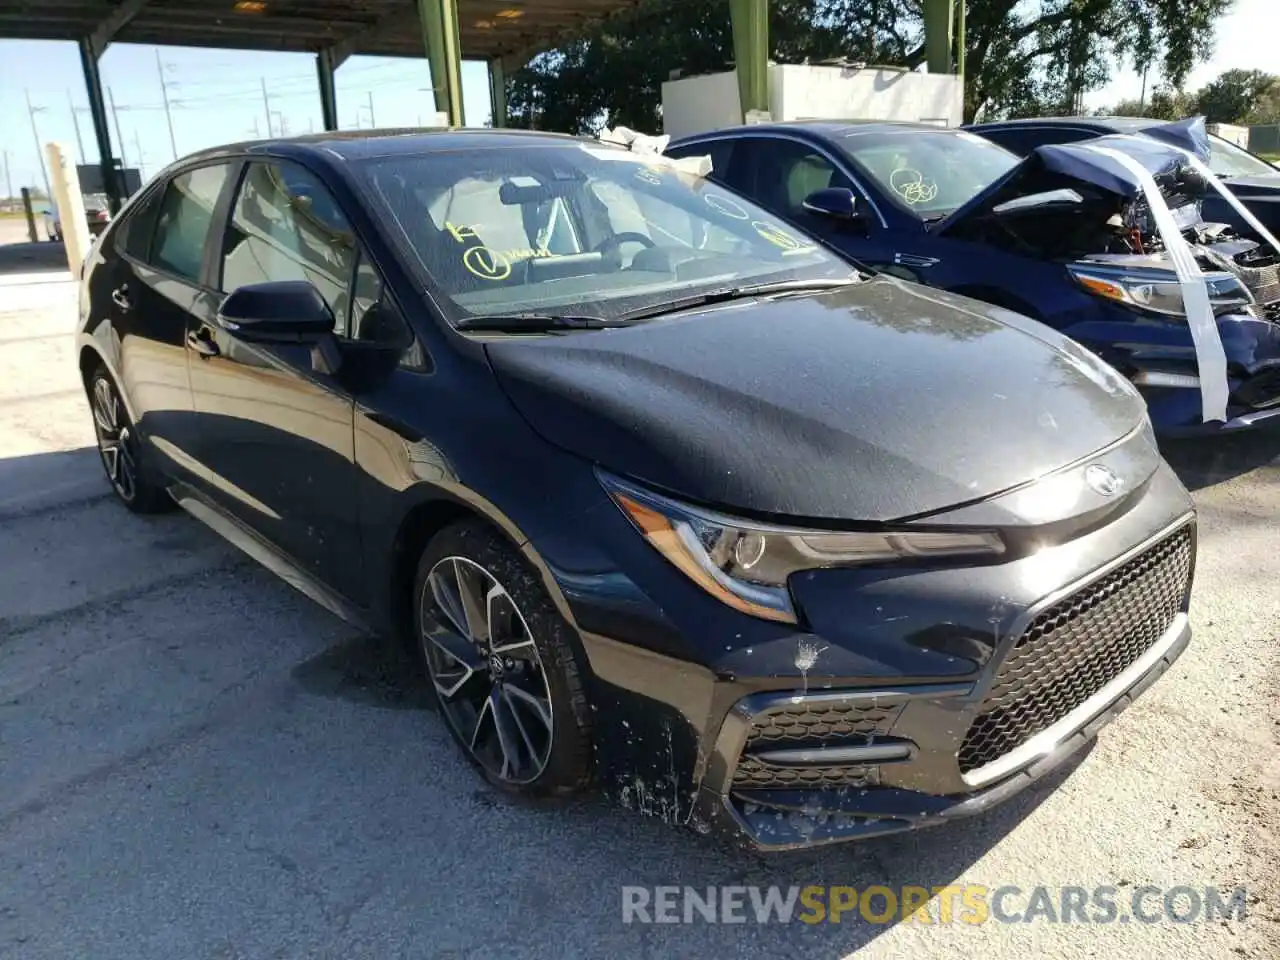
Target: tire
x,y
516,706
122,450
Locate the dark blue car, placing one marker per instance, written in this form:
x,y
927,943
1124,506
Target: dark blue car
x,y
1062,236
1252,179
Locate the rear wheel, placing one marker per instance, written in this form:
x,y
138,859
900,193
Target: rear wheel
x,y
502,663
120,448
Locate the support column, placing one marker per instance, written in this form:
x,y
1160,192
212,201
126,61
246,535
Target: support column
x,y
440,31
328,89
751,52
498,92
111,182
938,19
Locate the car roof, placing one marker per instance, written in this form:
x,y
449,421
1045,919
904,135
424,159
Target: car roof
x,y
363,144
1106,124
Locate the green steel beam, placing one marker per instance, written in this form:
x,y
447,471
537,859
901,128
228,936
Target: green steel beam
x,y
751,52
960,39
938,17
440,30
498,92
328,90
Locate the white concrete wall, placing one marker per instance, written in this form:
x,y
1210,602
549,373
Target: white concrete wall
x,y
1229,131
698,104
841,93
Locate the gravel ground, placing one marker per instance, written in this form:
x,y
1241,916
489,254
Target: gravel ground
x,y
197,762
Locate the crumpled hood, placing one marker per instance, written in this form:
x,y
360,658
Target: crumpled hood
x,y
875,402
1074,165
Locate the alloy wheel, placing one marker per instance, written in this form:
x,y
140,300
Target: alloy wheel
x,y
117,443
486,669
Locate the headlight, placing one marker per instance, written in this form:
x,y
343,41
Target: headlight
x,y
745,564
1158,291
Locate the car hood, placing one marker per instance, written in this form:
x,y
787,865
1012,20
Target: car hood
x,y
1060,167
880,401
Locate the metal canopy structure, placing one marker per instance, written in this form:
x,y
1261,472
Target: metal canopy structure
x,y
503,32
487,29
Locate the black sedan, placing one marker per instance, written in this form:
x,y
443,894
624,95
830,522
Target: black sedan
x,y
1252,179
661,494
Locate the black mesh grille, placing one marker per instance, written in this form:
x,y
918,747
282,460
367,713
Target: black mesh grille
x,y
753,773
1259,391
1074,648
807,723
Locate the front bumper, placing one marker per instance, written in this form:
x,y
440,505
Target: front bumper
x,y
788,762
804,816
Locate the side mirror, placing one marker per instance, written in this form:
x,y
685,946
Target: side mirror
x,y
282,311
838,203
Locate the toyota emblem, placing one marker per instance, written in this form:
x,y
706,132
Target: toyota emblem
x,y
1102,480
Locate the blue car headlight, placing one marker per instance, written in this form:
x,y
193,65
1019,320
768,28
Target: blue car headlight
x,y
745,564
1158,291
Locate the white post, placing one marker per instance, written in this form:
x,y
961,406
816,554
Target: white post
x,y
65,183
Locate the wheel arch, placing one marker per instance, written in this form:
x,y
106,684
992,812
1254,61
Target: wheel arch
x,y
435,510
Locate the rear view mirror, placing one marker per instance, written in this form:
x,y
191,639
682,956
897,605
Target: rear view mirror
x,y
282,311
839,203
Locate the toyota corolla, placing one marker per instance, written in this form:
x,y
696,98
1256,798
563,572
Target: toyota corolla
x,y
664,497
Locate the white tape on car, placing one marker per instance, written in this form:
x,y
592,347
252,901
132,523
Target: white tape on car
x,y
649,150
1211,358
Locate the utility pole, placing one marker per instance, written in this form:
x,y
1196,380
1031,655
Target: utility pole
x,y
1142,99
372,122
115,118
142,173
266,105
35,135
75,119
168,115
257,131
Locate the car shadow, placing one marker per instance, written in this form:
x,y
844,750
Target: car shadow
x,y
1206,461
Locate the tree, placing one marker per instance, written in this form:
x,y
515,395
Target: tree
x,y
1165,103
1024,57
1239,96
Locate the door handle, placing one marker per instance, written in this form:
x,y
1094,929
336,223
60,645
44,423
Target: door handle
x,y
201,343
120,297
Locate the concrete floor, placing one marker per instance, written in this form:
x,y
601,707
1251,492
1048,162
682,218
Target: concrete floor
x,y
197,762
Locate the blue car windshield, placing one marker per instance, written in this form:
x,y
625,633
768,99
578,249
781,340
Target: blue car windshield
x,y
929,173
582,228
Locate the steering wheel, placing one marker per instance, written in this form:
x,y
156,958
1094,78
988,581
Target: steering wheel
x,y
618,239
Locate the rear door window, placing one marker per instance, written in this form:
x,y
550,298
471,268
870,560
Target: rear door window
x,y
183,221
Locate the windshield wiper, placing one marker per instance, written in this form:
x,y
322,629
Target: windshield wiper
x,y
535,323
737,293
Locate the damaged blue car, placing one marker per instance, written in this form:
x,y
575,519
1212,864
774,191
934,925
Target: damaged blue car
x,y
1067,236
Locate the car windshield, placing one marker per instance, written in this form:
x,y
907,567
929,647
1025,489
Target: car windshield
x,y
929,173
1228,160
581,228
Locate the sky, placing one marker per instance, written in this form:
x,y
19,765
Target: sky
x,y
216,96
1246,39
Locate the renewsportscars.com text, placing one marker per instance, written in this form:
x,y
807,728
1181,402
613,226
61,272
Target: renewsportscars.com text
x,y
968,903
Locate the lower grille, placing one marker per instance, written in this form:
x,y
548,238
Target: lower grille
x,y
1074,648
754,774
808,722
798,722
1260,391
